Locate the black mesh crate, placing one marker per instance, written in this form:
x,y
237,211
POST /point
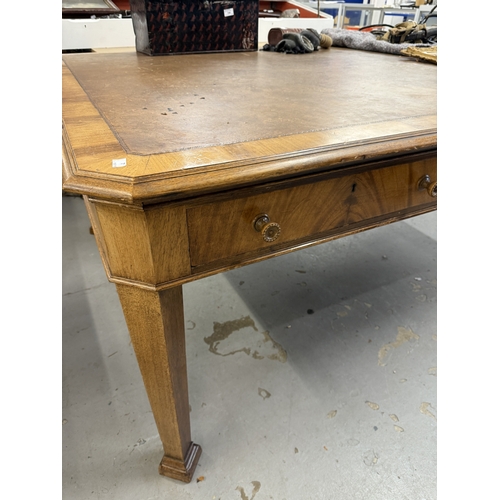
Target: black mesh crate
x,y
168,27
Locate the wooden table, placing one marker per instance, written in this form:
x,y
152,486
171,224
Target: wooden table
x,y
196,164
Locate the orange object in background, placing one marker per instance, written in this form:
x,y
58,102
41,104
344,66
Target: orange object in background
x,y
122,4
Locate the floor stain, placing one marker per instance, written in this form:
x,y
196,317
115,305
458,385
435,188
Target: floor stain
x,y
425,411
262,344
264,394
281,355
370,458
256,488
404,335
373,406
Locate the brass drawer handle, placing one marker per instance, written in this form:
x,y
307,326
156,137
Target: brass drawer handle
x,y
269,230
431,186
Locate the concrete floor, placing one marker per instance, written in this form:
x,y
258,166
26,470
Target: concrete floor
x,y
311,375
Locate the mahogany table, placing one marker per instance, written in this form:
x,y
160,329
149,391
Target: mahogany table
x,y
192,165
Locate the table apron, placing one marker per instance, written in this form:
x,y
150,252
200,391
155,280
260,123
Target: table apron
x,y
167,244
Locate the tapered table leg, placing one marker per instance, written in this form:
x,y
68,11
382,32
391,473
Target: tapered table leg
x,y
155,322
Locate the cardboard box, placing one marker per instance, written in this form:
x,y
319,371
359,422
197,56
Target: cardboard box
x,y
80,34
165,27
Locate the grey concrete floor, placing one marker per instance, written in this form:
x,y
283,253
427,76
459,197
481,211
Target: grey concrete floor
x,y
311,375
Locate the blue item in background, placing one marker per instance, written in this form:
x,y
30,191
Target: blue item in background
x,y
354,16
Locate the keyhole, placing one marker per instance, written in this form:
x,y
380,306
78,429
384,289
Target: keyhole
x,y
353,188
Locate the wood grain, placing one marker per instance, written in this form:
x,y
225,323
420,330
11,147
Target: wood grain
x,y
220,230
173,242
147,246
390,190
156,325
224,229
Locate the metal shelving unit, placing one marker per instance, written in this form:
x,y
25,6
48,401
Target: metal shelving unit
x,y
370,13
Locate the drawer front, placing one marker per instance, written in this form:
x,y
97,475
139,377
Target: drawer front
x,y
391,189
229,228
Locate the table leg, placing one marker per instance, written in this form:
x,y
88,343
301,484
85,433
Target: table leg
x,y
156,325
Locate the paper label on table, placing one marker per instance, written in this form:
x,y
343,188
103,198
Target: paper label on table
x,y
228,12
122,162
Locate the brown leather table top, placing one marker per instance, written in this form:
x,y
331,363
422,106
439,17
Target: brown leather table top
x,y
170,103
139,128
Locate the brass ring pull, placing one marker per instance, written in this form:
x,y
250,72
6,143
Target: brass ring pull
x,y
426,183
269,230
